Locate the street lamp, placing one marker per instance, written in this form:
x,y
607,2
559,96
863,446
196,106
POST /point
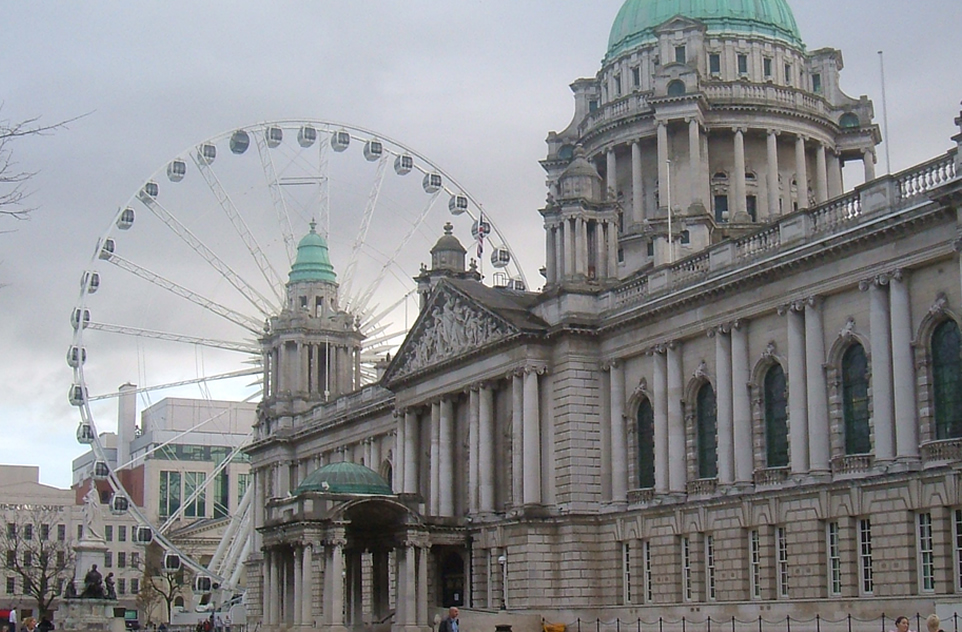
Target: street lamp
x,y
503,561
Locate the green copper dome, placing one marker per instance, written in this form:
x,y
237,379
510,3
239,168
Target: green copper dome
x,y
638,19
345,478
313,260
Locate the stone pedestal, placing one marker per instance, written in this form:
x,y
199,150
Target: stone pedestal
x,y
88,551
96,615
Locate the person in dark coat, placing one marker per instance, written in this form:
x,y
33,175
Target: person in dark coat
x,y
450,623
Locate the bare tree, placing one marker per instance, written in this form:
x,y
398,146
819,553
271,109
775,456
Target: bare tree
x,y
36,553
160,584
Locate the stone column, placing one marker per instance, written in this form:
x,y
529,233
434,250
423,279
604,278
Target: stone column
x,y
821,174
560,252
435,458
663,158
637,185
272,595
486,448
881,340
380,584
677,450
818,424
611,180
601,254
741,404
774,189
906,421
355,589
739,210
446,458
517,441
422,588
474,435
550,256
694,160
801,172
298,597
569,249
723,383
619,449
410,452
612,235
307,583
868,162
337,583
532,438
409,586
797,391
835,184
660,410
582,247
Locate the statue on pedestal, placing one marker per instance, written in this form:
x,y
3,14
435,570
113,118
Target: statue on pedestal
x,y
93,585
92,514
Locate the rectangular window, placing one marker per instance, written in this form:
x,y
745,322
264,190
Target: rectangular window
x,y
11,585
11,530
681,55
834,560
751,205
61,559
121,586
626,571
788,74
755,572
742,64
28,558
592,105
636,77
169,493
122,533
11,559
221,495
193,484
714,63
121,560
243,482
109,559
767,67
721,208
781,545
80,532
686,588
926,554
134,586
61,532
817,83
45,532
618,85
958,549
710,567
28,532
109,533
135,559
865,555
649,589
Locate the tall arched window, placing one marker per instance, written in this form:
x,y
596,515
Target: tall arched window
x,y
947,380
855,401
776,418
646,445
707,430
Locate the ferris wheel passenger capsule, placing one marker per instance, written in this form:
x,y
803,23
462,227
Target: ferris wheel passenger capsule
x,y
306,136
80,318
340,140
106,249
142,535
457,204
119,504
171,562
373,149
76,356
176,170
150,191
101,470
516,284
432,182
77,395
500,257
90,281
239,142
403,164
202,584
484,227
274,136
85,433
206,153
126,219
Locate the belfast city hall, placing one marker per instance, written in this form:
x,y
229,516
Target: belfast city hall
x,y
738,393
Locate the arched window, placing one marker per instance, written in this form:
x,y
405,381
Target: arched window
x,y
855,401
707,430
646,445
849,120
776,418
676,88
947,380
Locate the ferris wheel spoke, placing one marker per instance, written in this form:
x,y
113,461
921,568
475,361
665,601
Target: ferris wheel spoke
x,y
382,274
139,332
240,226
377,318
361,237
277,198
251,294
324,188
231,532
233,316
160,387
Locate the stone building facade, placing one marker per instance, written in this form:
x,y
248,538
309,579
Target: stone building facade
x,y
736,394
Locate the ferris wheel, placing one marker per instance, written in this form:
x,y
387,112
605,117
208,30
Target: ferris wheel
x,y
179,287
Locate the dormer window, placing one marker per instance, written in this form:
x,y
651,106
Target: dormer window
x,y
714,64
767,66
788,74
681,56
636,77
618,85
817,83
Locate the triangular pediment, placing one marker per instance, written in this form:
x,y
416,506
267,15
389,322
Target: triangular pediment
x,y
451,326
679,23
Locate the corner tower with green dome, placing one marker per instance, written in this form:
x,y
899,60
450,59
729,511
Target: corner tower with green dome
x,y
312,349
715,109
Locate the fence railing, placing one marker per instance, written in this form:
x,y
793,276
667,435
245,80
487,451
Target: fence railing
x,y
817,623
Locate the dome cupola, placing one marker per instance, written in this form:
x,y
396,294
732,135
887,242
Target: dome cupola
x,y
581,180
313,261
638,19
345,478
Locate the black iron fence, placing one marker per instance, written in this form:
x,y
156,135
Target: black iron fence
x,y
850,623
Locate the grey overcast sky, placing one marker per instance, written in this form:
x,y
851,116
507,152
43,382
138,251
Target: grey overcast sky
x,y
474,85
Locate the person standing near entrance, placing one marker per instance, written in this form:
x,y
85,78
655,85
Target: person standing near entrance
x,y
449,623
13,619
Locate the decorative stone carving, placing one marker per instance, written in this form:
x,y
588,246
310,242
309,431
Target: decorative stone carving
x,y
940,305
848,330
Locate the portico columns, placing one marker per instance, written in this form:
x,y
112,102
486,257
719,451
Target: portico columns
x,y
906,422
612,234
410,455
435,458
677,473
723,379
551,256
741,403
272,597
739,212
694,160
409,587
569,248
663,194
446,458
307,585
797,390
619,451
298,597
423,552
660,406
474,449
611,180
835,186
334,580
801,172
532,438
868,162
821,174
818,426
486,448
774,194
637,185
881,340
517,439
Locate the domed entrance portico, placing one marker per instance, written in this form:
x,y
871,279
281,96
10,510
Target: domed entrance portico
x,y
342,552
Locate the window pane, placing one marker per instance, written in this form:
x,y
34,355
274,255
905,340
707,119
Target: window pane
x,y
707,429
776,417
646,445
855,401
946,373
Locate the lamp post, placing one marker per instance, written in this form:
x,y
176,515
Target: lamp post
x,y
503,561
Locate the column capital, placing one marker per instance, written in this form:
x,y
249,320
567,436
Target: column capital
x,y
801,138
740,324
796,307
657,350
814,301
879,280
773,132
739,130
610,363
536,367
899,274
